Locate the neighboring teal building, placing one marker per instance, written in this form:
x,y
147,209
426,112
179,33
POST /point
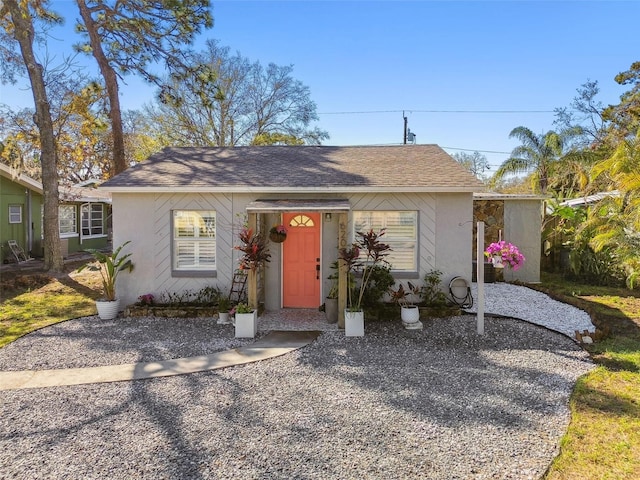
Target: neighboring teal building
x,y
84,216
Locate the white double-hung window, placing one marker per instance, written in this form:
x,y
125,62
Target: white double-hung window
x,y
401,233
67,221
194,240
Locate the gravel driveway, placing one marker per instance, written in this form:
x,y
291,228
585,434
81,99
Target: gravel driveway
x,y
441,403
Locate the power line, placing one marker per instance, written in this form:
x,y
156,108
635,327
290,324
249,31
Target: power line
x,y
474,150
364,112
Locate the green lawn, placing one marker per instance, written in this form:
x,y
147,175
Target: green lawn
x,y
33,302
603,439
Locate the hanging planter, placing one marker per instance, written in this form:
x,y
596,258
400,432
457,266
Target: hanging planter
x,y
278,233
504,254
277,237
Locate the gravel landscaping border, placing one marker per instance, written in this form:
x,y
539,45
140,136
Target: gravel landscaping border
x,y
438,403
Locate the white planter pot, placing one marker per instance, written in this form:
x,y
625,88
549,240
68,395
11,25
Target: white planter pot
x,y
410,314
497,261
108,309
246,324
223,318
354,323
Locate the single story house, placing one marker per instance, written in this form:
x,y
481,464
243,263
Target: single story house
x,y
182,210
83,223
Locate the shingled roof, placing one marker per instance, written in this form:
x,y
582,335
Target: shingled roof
x,y
420,168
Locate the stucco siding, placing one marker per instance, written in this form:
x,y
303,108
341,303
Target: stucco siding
x,y
522,226
423,203
454,223
145,219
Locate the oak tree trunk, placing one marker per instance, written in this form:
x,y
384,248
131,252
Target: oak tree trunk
x,y
24,35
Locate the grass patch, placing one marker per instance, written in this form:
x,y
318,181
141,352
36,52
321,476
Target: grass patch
x,y
603,439
33,302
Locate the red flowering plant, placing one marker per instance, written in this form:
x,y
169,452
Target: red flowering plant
x,y
506,254
363,255
254,248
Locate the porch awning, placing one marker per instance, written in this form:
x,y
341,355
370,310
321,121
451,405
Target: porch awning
x,y
299,205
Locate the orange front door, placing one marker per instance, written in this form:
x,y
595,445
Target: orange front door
x,y
301,260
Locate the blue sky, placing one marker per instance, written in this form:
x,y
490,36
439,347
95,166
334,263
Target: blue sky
x,y
430,59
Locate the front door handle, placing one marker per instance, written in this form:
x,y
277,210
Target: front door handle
x,y
318,272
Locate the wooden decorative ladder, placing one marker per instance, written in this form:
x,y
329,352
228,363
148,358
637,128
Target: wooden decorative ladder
x,y
238,291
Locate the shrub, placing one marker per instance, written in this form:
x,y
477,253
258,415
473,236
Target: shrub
x,y
380,281
206,296
430,293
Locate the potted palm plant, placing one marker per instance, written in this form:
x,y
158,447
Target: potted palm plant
x,y
362,257
109,265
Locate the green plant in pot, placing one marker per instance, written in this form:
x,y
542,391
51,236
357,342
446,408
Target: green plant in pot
x,y
255,255
224,304
409,312
109,265
245,321
366,253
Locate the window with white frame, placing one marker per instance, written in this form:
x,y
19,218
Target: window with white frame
x,y
67,220
194,240
401,234
15,213
92,219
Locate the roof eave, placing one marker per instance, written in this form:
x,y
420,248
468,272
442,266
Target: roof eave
x,y
314,190
21,178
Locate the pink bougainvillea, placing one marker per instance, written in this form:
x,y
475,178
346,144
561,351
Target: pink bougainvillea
x,y
508,252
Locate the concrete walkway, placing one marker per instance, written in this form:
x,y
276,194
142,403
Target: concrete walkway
x,y
272,345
